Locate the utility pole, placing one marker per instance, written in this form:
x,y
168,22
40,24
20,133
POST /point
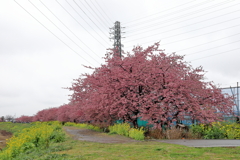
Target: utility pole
x,y
117,38
238,100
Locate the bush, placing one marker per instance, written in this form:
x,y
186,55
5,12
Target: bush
x,y
125,129
231,130
137,134
217,130
198,130
121,129
39,135
214,131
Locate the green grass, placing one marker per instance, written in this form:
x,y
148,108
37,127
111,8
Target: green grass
x,y
77,150
146,150
38,139
46,153
84,125
14,127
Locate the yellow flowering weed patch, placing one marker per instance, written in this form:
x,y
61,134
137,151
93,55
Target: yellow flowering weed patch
x,y
38,135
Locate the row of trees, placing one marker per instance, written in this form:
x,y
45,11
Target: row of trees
x,y
148,84
64,113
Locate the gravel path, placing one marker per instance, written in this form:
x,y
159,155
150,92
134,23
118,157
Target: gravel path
x,y
204,142
94,136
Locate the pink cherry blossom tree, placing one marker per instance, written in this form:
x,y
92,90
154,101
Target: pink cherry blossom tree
x,y
69,113
49,114
151,85
23,118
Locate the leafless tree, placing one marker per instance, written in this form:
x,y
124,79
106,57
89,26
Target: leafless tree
x,y
9,118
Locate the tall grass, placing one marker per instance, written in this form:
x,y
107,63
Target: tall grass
x,y
39,135
126,130
121,129
137,134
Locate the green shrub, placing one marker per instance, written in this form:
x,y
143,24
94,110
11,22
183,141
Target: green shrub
x,y
125,129
198,130
121,129
137,134
214,133
231,130
217,130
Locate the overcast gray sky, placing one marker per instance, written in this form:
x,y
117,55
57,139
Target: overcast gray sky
x,y
44,44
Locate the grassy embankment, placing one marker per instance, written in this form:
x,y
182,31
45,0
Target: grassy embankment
x,y
12,128
74,149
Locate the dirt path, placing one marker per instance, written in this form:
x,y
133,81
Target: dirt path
x,y
93,136
204,142
3,136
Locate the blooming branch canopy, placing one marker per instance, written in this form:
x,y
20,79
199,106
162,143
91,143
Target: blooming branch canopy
x,y
151,85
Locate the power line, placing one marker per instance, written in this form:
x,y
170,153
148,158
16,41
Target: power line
x,y
169,14
202,34
86,22
212,48
100,13
187,20
186,32
69,29
103,11
79,23
191,37
216,54
61,30
184,15
87,16
207,42
187,14
144,13
96,13
158,12
51,32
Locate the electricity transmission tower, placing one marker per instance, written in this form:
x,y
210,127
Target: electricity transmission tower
x,y
116,31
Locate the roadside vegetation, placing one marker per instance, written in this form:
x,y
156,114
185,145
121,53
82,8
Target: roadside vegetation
x,y
214,130
125,129
38,136
47,140
84,125
146,150
14,127
217,130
